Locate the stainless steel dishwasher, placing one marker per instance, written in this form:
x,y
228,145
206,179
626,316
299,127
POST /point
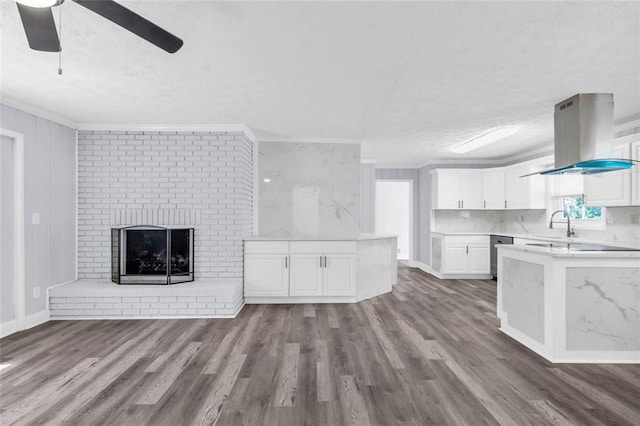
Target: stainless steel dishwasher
x,y
497,239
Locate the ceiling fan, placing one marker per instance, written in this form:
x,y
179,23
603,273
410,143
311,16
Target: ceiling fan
x,y
37,19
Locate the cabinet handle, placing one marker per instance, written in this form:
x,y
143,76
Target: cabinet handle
x,y
321,261
485,204
325,261
505,204
462,203
286,262
467,249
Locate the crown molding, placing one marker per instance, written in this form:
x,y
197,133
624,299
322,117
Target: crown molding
x,y
38,112
241,128
628,125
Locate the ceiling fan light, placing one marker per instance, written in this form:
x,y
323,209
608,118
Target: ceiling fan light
x,y
485,139
38,3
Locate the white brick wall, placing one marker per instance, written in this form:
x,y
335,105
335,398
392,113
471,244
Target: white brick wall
x,y
201,179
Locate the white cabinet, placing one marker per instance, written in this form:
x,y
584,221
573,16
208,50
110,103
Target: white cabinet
x,y
564,185
611,188
457,189
493,189
299,269
455,258
306,275
322,275
339,275
463,255
635,174
524,192
266,269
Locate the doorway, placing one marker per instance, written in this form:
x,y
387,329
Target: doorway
x,y
12,273
394,213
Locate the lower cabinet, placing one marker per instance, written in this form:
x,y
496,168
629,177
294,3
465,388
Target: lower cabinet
x,y
303,269
266,269
465,254
322,275
306,275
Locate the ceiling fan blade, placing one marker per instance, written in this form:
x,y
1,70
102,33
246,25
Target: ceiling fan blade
x,y
40,28
133,22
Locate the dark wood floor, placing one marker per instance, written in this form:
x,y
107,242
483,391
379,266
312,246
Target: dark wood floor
x,y
429,353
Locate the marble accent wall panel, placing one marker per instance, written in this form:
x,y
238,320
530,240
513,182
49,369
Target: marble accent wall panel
x,y
603,313
523,297
312,189
468,221
376,262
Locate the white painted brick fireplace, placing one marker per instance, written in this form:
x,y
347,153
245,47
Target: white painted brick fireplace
x,y
197,179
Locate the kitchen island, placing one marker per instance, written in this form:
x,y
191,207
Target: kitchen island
x,y
318,270
569,305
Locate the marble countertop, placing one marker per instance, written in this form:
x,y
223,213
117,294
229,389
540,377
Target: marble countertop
x,y
548,238
563,251
361,237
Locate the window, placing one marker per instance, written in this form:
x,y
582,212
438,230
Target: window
x,y
576,209
582,217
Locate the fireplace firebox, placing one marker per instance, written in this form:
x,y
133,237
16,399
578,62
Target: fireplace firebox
x,y
151,255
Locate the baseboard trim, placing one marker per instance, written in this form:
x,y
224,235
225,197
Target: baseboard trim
x,y
30,321
36,319
8,328
426,268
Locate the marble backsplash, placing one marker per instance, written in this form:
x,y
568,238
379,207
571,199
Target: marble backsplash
x,y
469,221
620,228
309,189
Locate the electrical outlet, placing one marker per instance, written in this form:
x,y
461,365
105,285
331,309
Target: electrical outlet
x,y
635,219
36,292
35,218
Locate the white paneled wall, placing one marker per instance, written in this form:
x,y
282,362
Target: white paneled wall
x,y
49,179
200,179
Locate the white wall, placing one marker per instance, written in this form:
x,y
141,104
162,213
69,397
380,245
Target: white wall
x,y
198,179
7,311
393,213
50,173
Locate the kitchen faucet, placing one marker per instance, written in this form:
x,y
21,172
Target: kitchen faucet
x,y
568,222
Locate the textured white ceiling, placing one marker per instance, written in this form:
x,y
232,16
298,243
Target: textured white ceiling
x,y
409,80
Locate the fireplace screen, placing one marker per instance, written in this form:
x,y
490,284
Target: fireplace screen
x,y
151,255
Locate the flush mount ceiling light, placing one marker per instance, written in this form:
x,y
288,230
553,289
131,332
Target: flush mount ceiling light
x,y
39,3
485,139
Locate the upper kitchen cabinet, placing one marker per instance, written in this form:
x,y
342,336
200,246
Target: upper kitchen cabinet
x,y
635,175
524,192
612,188
457,189
568,184
493,189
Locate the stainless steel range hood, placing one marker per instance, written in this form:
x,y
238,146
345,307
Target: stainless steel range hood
x,y
584,136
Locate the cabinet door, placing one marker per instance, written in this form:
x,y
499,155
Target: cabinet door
x,y
479,259
305,275
340,275
455,258
635,175
612,188
470,189
517,188
266,275
493,189
446,189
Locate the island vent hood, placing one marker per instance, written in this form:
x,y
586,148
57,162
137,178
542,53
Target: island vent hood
x,y
584,136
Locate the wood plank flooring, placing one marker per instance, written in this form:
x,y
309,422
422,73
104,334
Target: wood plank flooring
x,y
428,353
